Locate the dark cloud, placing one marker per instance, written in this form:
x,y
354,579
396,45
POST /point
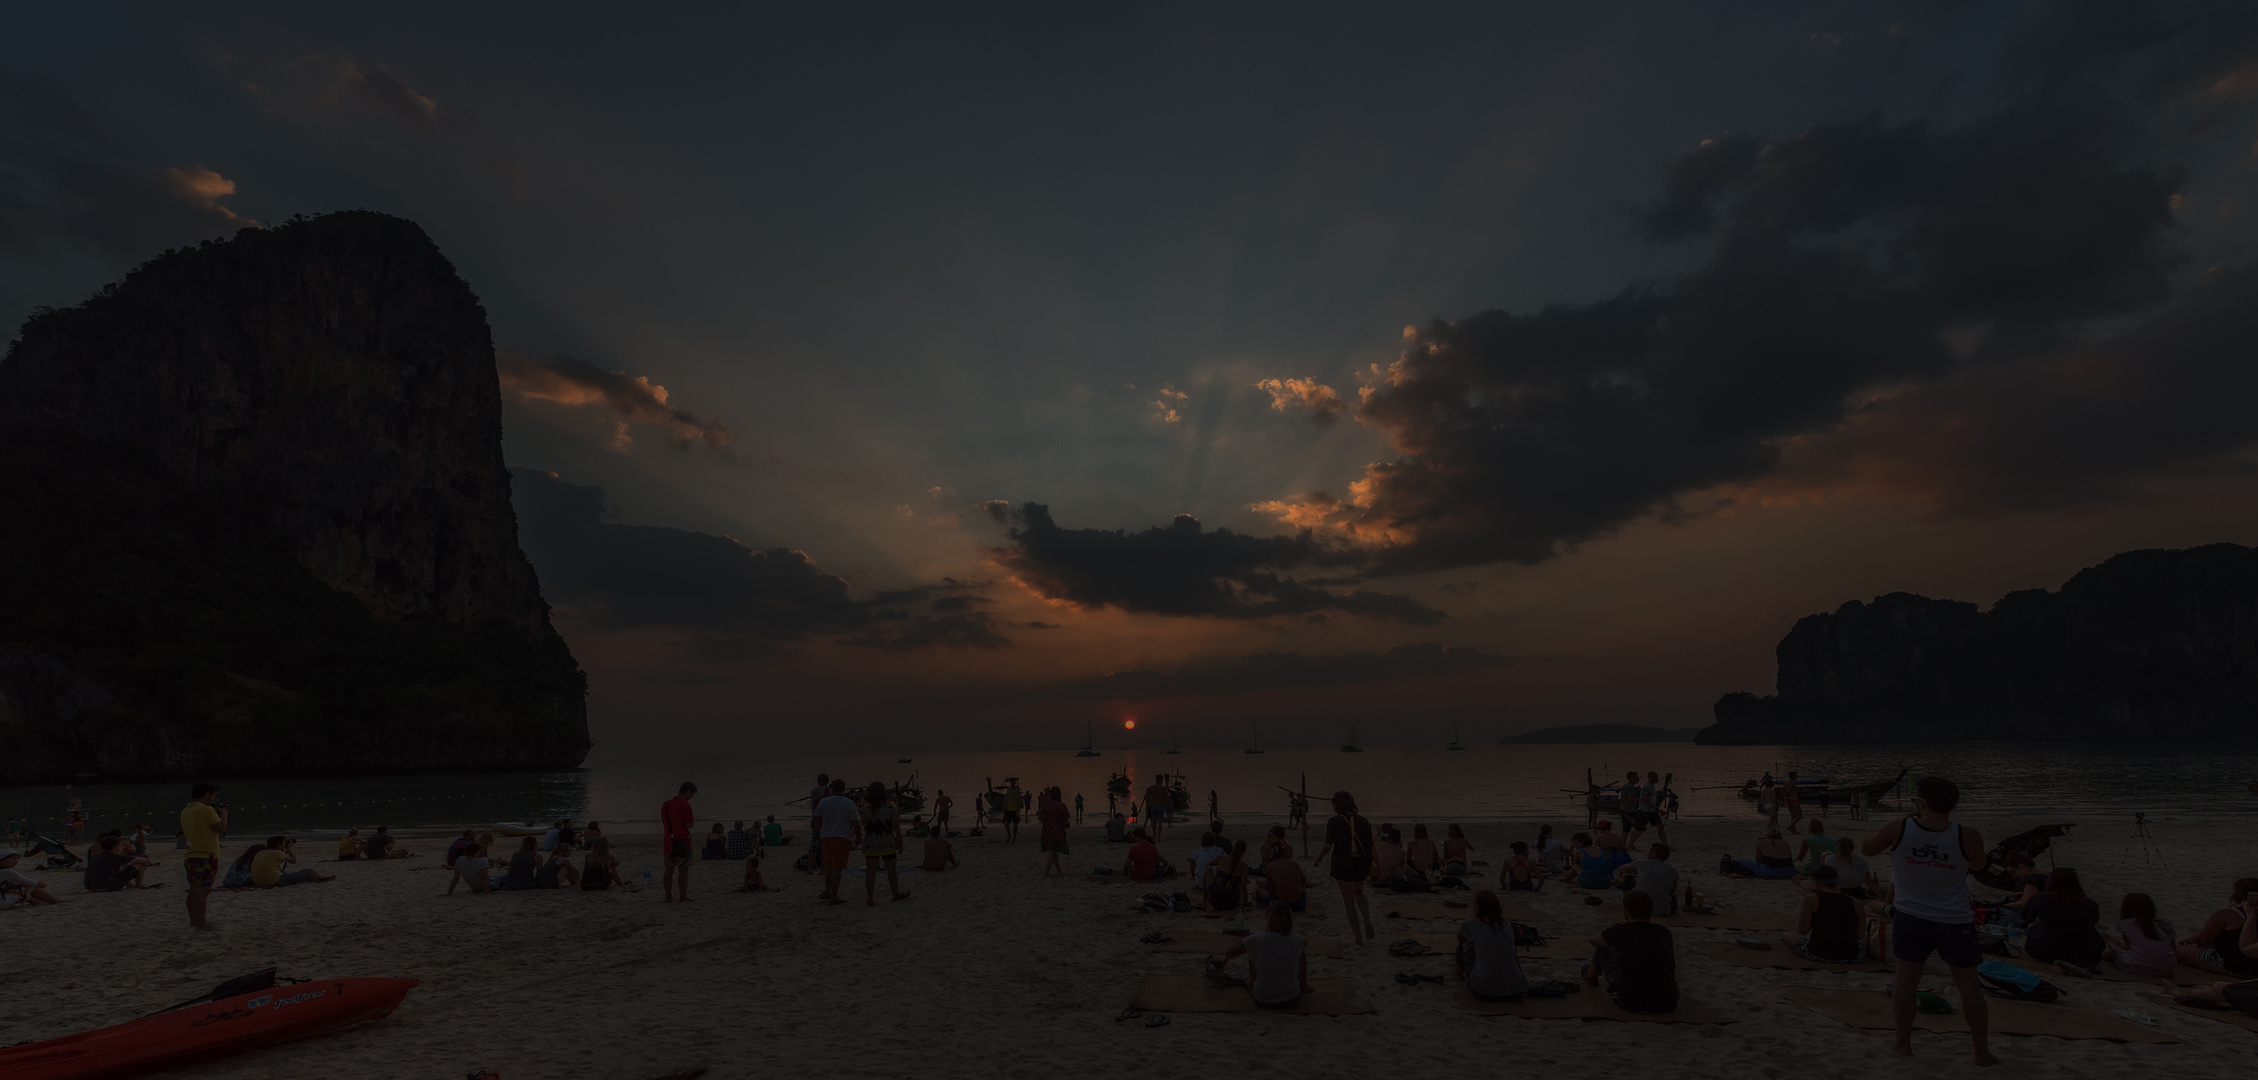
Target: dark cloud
x,y
1181,569
1854,258
1280,671
632,399
66,181
378,87
741,602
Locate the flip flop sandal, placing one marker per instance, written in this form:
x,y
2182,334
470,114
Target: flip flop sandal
x,y
1436,979
1407,979
1156,1020
1130,1013
2138,1017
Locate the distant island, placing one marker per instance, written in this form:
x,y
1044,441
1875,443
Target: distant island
x,y
1600,733
2147,645
254,520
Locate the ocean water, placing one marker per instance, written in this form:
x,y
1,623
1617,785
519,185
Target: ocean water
x,y
1400,784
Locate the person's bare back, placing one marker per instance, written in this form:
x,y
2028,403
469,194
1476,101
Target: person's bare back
x,y
1284,880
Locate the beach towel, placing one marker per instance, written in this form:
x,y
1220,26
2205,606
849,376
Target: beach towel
x,y
1190,994
1592,1003
1870,1009
2181,976
2002,979
1781,956
1431,908
1216,943
2237,1017
1728,919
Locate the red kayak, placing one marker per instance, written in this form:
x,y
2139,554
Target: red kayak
x,y
192,1033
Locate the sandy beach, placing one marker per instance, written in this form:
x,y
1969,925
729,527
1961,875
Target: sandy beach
x,y
991,970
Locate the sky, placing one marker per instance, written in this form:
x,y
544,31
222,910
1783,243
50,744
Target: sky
x,y
962,377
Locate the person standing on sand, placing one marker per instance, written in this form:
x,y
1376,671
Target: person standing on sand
x,y
203,821
1051,813
881,827
1791,799
1348,839
836,823
1077,808
1012,800
816,795
675,820
941,805
1656,796
1930,860
1156,808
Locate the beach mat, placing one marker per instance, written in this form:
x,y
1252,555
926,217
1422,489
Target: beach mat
x,y
1216,943
1430,907
1780,956
2242,1020
1730,919
1870,1009
1591,1003
1191,994
2181,976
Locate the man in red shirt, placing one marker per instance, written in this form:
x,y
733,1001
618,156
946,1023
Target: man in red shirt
x,y
1144,862
674,840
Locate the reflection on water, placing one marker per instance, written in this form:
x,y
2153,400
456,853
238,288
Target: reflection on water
x,y
1400,783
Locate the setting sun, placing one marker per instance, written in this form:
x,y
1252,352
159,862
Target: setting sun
x,y
1129,724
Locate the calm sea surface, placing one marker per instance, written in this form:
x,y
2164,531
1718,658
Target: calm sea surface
x,y
1392,783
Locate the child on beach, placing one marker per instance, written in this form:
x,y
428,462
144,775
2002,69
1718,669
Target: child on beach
x,y
753,874
1518,875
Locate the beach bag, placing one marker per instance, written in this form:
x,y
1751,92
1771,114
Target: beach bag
x,y
1407,882
1728,865
1526,936
1408,947
2005,980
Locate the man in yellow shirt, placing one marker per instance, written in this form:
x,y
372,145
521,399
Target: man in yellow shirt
x,y
266,866
203,821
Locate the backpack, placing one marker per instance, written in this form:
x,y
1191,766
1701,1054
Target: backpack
x,y
1525,936
2005,980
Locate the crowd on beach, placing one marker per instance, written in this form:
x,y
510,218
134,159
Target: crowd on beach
x,y
1849,912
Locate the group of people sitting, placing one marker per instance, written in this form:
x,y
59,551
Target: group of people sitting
x,y
739,842
1777,860
2063,926
1220,873
543,862
379,846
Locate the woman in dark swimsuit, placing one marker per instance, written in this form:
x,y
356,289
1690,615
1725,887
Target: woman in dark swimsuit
x,y
2216,947
1229,888
1348,839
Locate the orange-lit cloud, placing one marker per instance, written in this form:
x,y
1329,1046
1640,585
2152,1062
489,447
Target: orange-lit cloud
x,y
1166,409
633,399
203,189
1324,404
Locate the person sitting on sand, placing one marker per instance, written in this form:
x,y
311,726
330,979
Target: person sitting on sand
x,y
238,874
383,845
1653,876
1552,855
1387,855
1457,853
470,869
1277,961
114,867
1812,853
939,853
1611,845
17,887
1487,959
2242,995
737,843
598,869
2064,925
1829,929
1852,871
772,833
1204,858
1422,855
267,866
1281,881
1636,960
717,843
455,850
1519,874
557,871
591,834
1227,879
1591,863
1117,829
2027,878
349,846
1773,860
2142,944
524,873
2216,947
1274,847
1144,862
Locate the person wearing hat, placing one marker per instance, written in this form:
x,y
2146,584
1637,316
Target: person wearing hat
x,y
17,887
1827,931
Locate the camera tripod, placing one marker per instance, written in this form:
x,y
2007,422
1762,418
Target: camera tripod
x,y
2148,848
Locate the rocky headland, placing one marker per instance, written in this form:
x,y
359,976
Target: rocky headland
x,y
254,519
2147,645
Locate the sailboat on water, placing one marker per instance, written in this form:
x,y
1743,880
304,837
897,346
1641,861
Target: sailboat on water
x,y
1257,747
1089,744
1454,743
1351,747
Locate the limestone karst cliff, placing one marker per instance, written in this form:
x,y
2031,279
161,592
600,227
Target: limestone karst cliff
x,y
254,518
2147,645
